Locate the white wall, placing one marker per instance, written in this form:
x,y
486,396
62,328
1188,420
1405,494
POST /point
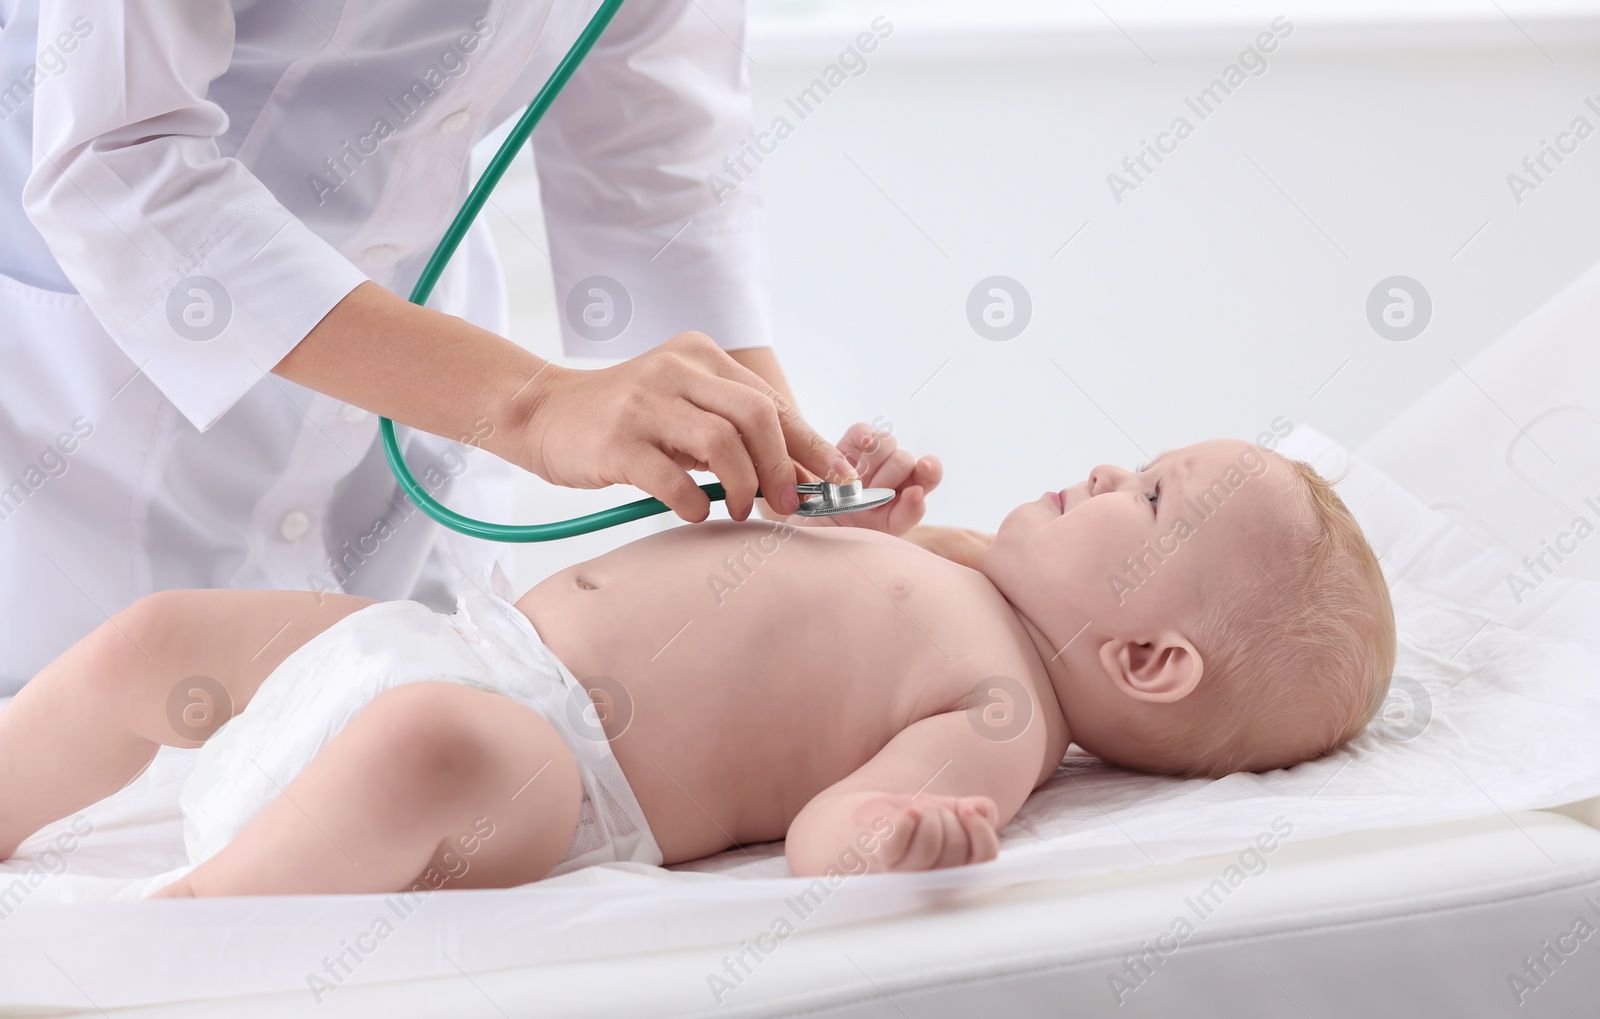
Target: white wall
x,y
1228,289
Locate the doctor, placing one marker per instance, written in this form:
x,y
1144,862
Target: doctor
x,y
207,210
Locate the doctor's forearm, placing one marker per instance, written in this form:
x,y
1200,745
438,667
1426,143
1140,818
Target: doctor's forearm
x,y
420,367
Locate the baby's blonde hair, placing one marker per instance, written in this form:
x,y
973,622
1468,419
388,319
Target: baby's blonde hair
x,y
1297,649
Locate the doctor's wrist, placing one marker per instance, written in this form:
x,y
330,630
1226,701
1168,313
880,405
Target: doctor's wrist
x,y
519,415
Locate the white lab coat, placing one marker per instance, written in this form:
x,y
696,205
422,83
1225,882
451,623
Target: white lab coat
x,y
188,186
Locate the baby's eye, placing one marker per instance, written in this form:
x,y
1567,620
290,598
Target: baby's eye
x,y
1154,495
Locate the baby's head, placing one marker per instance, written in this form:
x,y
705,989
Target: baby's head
x,y
1217,610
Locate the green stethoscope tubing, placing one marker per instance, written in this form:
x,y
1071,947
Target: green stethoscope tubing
x,y
430,275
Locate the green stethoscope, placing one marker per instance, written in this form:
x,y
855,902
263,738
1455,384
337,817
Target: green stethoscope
x,y
827,499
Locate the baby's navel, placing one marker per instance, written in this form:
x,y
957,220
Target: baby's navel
x,y
584,585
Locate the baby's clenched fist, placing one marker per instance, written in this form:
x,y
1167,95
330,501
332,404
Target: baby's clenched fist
x,y
932,832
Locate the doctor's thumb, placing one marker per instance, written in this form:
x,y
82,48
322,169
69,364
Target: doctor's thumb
x,y
810,450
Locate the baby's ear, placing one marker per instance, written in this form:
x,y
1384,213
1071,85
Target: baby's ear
x,y
1161,670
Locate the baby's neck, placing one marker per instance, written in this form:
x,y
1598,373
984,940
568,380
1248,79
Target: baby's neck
x,y
1057,666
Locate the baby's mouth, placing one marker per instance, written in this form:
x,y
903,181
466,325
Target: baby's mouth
x,y
1066,497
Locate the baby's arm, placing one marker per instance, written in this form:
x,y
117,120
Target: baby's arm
x,y
934,796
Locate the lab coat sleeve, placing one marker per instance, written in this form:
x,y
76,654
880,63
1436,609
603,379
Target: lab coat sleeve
x,y
201,277
626,157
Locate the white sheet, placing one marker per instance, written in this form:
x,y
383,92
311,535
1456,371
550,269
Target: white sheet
x,y
1511,691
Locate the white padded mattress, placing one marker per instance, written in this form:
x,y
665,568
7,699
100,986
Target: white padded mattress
x,y
1428,921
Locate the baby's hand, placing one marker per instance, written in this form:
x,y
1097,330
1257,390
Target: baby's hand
x,y
931,832
881,463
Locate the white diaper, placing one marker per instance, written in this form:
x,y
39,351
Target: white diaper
x,y
486,644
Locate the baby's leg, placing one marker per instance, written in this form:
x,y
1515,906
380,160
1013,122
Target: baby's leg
x,y
426,771
167,670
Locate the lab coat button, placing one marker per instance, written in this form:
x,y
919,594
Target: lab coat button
x,y
351,413
382,254
455,122
294,525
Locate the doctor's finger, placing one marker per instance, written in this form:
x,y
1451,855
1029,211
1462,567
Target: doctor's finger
x,y
653,471
715,441
805,444
753,420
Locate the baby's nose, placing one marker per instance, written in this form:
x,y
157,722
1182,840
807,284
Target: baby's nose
x,y
1108,478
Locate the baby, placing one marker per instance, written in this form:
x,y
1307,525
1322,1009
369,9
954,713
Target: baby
x,y
726,683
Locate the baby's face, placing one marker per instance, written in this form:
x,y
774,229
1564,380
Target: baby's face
x,y
1127,550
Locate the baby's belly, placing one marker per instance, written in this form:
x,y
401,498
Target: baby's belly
x,y
724,737
732,713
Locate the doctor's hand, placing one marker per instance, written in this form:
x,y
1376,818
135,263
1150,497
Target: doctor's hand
x,y
685,405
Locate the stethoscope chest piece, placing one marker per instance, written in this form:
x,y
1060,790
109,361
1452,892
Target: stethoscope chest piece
x,y
830,500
